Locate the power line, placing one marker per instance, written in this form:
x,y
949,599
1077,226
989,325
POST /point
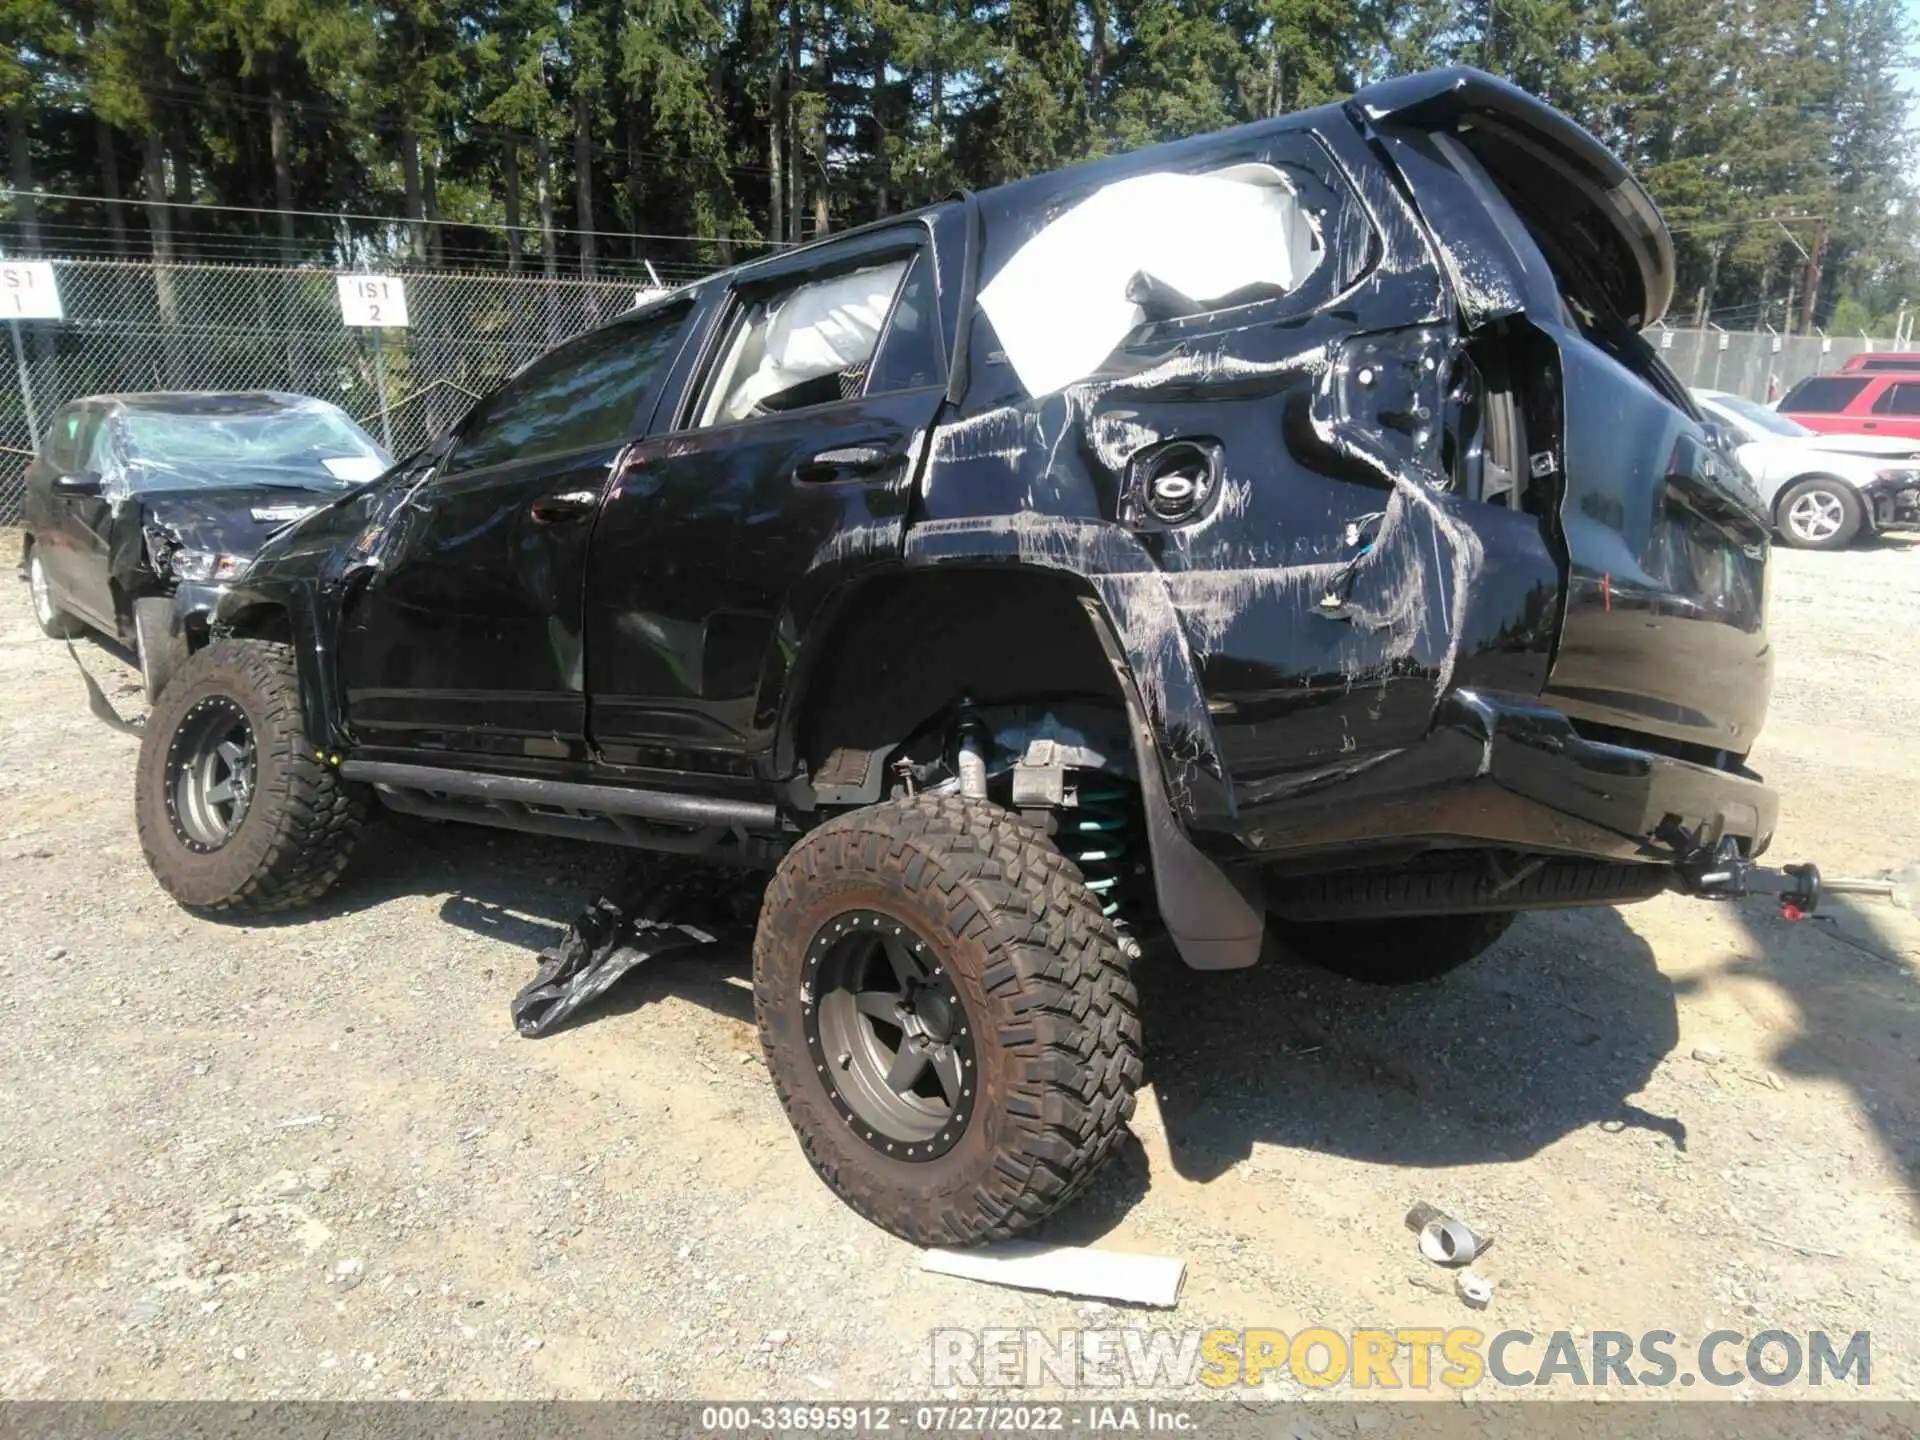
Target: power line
x,y
12,193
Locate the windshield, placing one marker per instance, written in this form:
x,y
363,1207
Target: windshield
x,y
1758,416
317,443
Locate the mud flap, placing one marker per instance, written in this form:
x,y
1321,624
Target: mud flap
x,y
1214,926
97,702
163,643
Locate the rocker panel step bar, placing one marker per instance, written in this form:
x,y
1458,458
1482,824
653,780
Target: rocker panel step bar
x,y
519,790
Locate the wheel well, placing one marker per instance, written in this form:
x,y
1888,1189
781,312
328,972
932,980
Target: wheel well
x,y
262,622
898,650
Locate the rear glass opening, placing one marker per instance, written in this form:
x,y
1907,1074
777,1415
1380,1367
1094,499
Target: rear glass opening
x,y
1822,395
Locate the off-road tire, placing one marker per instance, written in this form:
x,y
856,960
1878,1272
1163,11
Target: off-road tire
x,y
54,623
299,828
1852,513
1401,951
1040,973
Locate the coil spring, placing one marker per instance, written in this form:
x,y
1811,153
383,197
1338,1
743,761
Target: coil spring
x,y
1097,835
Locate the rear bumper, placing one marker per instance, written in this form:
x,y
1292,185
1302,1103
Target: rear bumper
x,y
1502,771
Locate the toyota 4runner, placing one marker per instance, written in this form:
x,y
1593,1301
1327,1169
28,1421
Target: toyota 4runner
x,y
1288,523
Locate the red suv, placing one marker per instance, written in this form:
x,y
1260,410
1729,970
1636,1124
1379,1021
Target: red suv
x,y
1882,360
1857,404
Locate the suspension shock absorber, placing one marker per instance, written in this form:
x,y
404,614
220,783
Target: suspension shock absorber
x,y
1097,835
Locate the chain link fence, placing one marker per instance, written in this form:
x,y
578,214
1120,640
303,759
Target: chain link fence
x,y
1757,364
132,325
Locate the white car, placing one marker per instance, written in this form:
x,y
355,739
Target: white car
x,y
1822,490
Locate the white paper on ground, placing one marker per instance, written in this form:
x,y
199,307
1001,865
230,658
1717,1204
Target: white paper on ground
x,y
1066,1270
1059,304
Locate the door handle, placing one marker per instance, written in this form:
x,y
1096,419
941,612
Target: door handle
x,y
844,462
567,505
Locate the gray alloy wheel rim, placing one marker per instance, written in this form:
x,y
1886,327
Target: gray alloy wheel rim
x,y
212,766
889,1035
1816,515
42,592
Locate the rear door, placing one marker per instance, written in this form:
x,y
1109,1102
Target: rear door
x,y
1895,410
792,453
466,635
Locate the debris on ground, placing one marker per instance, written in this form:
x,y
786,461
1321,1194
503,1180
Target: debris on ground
x,y
99,706
1474,1289
1443,1239
1066,1270
611,938
1709,1054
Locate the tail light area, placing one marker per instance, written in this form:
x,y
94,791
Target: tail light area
x,y
1501,421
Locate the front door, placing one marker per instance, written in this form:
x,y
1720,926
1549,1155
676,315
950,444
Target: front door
x,y
465,637
792,455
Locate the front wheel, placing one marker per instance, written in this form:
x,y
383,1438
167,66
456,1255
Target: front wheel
x,y
1820,514
949,1018
54,623
236,810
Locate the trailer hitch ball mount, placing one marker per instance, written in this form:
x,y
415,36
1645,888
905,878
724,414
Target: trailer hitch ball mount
x,y
1728,875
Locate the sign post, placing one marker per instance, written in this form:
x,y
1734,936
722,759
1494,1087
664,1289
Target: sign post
x,y
28,291
373,302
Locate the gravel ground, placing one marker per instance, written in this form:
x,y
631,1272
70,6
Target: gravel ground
x,y
312,1159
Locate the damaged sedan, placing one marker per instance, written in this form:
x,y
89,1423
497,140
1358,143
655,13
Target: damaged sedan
x,y
140,509
1280,531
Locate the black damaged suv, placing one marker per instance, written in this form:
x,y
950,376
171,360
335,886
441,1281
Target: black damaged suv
x,y
1286,522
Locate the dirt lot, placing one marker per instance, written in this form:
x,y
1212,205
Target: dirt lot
x,y
312,1159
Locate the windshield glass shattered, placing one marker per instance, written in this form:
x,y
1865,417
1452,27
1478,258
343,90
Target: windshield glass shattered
x,y
317,441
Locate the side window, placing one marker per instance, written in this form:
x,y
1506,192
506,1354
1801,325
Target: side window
x,y
1156,254
584,394
98,458
810,344
61,446
1900,398
911,356
1821,395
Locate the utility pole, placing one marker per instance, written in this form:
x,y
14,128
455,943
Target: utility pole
x,y
1813,275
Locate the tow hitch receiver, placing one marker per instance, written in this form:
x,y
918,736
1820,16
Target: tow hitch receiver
x,y
1725,874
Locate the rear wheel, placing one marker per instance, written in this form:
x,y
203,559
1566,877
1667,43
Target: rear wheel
x,y
236,810
1401,951
54,623
949,1018
1820,514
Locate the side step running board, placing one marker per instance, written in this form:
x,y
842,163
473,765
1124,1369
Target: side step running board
x,y
704,811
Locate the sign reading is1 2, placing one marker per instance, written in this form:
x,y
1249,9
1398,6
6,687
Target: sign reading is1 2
x,y
372,301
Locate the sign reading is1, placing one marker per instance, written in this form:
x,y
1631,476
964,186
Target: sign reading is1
x,y
28,291
372,301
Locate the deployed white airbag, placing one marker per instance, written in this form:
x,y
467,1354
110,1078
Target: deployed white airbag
x,y
819,329
1059,304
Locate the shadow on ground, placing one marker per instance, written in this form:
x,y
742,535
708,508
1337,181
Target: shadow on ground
x,y
1859,1011
1549,1032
